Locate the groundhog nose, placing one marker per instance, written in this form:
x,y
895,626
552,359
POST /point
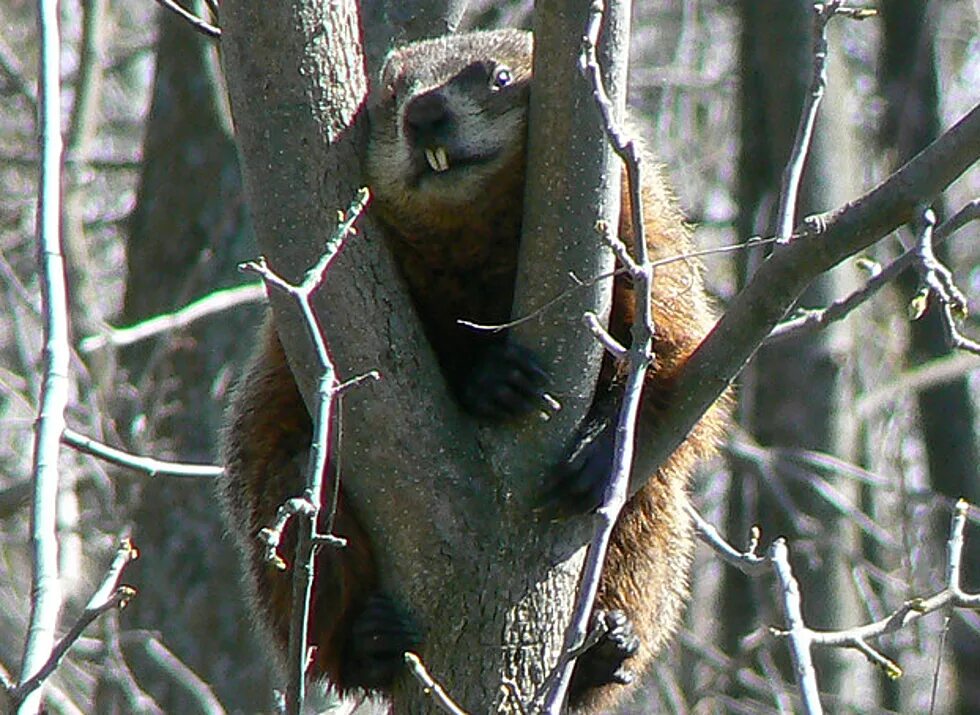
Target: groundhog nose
x,y
427,119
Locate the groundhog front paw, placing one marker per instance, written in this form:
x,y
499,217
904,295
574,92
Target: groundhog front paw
x,y
603,663
577,484
379,637
507,382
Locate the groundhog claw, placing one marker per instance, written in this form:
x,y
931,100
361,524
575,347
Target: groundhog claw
x,y
603,663
508,382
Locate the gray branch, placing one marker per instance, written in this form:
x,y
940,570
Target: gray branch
x,y
46,595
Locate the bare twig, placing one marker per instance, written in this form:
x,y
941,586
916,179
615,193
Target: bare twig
x,y
802,638
569,655
798,634
202,26
271,536
210,304
612,346
431,687
938,281
921,377
934,692
579,284
748,562
793,174
809,321
952,595
107,596
969,212
640,356
88,82
46,595
780,280
149,465
309,504
10,67
105,163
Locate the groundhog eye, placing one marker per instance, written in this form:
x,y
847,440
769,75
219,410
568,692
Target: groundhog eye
x,y
501,77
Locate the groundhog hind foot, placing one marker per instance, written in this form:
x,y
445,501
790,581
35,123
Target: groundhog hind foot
x,y
508,381
604,663
374,654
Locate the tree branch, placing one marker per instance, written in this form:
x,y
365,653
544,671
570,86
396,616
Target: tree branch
x,y
210,304
822,242
431,687
200,25
798,634
149,465
46,596
809,321
308,506
107,596
793,173
640,353
938,282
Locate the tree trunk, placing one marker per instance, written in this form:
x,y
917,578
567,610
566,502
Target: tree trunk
x,y
188,231
489,585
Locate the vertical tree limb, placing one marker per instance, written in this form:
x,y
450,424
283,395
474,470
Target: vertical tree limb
x,y
46,593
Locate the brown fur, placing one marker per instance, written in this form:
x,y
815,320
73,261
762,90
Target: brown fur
x,y
455,238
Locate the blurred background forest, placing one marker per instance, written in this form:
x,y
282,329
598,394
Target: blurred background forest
x,y
853,442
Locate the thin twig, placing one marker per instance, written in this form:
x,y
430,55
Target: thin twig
x,y
568,656
798,634
202,26
793,174
46,595
921,377
210,304
640,357
149,465
88,81
430,686
10,68
952,596
748,562
579,284
180,674
611,345
107,596
309,504
938,282
213,7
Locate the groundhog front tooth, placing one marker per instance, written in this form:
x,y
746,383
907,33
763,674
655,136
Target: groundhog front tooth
x,y
443,158
437,159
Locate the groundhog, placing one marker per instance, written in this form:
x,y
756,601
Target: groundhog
x,y
445,162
